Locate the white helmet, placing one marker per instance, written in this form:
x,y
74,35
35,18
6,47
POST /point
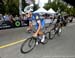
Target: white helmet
x,y
28,8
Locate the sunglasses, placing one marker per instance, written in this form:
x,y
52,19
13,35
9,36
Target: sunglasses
x,y
26,13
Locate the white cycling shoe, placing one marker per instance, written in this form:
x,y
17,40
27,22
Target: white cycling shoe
x,y
43,38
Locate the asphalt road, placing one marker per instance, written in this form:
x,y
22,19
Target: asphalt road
x,y
59,47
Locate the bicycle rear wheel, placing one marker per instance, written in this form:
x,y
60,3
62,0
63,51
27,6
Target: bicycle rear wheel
x,y
28,45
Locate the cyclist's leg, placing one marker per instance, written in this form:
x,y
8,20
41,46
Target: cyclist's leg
x,y
30,26
41,33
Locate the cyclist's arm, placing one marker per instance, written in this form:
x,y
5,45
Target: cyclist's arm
x,y
39,27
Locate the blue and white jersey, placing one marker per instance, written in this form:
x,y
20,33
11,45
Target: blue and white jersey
x,y
40,21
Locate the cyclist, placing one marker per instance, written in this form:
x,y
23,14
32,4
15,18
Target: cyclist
x,y
40,23
57,23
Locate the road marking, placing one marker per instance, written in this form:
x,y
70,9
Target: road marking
x,y
11,44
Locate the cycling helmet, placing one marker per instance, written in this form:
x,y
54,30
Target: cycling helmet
x,y
28,9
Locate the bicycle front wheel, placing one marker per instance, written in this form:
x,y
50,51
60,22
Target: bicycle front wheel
x,y
28,45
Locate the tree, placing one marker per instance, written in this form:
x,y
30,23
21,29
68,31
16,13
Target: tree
x,y
1,7
11,6
56,4
52,5
71,2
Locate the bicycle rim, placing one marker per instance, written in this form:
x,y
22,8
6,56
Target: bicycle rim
x,y
28,45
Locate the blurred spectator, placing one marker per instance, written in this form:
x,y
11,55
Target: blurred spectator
x,y
16,17
21,17
11,18
1,19
6,17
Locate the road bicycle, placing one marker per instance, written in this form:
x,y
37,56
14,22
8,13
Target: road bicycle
x,y
30,43
56,30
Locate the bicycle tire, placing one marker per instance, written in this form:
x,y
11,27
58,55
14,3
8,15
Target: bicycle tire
x,y
52,34
24,45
